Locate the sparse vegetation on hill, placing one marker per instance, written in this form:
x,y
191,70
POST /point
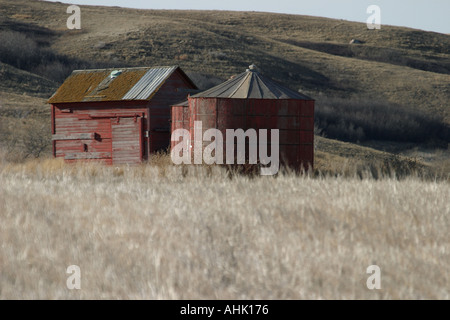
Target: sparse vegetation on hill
x,y
397,56
399,71
22,52
361,120
398,65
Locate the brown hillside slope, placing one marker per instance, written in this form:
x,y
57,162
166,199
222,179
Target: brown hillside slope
x,y
307,53
311,54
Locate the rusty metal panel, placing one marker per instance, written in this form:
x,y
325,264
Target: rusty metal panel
x,y
180,120
291,117
259,107
307,123
307,109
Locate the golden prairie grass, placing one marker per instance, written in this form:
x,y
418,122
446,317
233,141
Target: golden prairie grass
x,y
169,232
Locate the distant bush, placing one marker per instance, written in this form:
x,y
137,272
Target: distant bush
x,y
56,70
351,120
30,139
380,54
18,50
36,139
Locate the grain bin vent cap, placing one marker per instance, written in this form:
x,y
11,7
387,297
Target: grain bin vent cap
x,y
115,73
251,67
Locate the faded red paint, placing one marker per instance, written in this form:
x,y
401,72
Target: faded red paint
x,y
294,119
94,124
126,139
52,111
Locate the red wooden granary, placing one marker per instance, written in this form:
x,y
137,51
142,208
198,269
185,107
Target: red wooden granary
x,y
116,115
251,100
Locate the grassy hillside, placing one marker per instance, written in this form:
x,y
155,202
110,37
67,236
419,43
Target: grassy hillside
x,y
313,54
401,68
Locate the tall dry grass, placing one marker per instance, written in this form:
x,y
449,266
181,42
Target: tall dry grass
x,y
167,232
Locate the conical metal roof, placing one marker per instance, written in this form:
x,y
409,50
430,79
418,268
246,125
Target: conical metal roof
x,y
251,85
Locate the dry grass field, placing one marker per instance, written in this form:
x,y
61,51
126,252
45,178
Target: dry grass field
x,y
168,232
379,194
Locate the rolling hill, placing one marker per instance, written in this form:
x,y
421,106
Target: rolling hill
x,y
404,67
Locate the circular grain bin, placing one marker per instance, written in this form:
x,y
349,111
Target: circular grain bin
x,y
253,101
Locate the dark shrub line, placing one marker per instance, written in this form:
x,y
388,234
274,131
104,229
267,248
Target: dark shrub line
x,y
362,120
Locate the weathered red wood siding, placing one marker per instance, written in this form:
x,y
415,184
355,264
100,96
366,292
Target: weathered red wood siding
x,y
127,140
52,110
83,131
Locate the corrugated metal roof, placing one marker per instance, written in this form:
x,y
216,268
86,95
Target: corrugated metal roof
x,y
251,85
99,85
149,83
